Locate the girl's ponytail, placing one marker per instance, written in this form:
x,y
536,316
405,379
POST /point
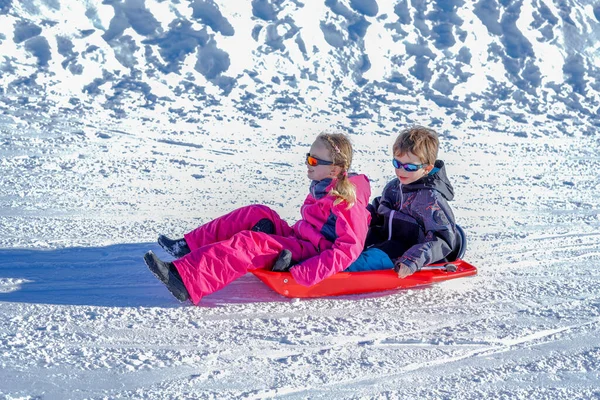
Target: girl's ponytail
x,y
341,153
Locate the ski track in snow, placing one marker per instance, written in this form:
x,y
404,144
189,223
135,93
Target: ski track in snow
x,y
81,317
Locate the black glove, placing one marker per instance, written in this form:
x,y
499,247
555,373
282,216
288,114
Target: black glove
x,y
283,262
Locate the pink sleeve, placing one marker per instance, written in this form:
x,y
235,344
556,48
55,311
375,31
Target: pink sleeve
x,y
351,229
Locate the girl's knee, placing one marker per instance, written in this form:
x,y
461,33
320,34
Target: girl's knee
x,y
262,209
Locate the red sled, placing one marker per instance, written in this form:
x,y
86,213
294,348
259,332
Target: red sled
x,y
344,283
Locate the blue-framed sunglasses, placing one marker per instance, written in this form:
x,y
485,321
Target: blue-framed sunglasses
x,y
407,167
314,161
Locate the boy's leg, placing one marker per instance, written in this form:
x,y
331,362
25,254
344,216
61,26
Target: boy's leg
x,y
371,259
212,267
224,227
392,248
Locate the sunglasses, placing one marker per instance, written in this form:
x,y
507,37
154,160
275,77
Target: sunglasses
x,y
314,161
407,167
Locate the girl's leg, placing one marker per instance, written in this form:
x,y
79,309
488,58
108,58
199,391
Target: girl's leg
x,y
213,266
224,227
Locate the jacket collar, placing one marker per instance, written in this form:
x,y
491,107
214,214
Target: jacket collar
x,y
319,189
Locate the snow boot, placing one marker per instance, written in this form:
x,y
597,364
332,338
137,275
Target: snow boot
x,y
264,225
177,248
167,273
283,262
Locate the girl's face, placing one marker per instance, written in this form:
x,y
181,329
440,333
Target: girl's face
x,y
407,177
320,172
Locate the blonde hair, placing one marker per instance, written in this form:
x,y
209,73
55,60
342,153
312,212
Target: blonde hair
x,y
421,141
340,149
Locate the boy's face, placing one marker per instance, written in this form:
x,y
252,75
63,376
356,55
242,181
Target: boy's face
x,y
407,177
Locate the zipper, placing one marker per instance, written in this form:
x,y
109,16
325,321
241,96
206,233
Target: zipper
x,y
390,224
398,196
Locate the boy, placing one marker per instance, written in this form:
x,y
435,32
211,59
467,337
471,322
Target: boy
x,y
412,222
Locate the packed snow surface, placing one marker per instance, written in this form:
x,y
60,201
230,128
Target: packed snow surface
x,y
82,317
123,120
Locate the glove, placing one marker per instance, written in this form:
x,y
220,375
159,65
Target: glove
x,y
283,262
403,270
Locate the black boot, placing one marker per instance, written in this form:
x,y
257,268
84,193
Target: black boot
x,y
167,273
284,262
264,225
177,248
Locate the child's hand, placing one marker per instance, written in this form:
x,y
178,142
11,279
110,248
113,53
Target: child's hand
x,y
402,270
283,262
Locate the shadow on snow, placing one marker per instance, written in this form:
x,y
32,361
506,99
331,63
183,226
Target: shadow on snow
x,y
113,276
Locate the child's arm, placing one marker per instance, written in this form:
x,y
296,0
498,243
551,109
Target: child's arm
x,y
351,227
376,218
440,234
382,206
388,203
390,198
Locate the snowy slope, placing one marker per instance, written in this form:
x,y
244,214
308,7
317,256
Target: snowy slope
x,y
532,62
121,120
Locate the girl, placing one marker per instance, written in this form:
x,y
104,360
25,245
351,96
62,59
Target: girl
x,y
328,238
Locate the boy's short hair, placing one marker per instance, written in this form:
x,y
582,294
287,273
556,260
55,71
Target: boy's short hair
x,y
421,141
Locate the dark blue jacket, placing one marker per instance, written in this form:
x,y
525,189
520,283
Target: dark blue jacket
x,y
413,223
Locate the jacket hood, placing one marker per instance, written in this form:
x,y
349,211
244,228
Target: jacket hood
x,y
436,179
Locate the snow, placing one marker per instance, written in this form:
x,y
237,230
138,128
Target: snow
x,y
87,187
82,317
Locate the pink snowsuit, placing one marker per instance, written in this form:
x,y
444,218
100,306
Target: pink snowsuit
x,y
328,239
